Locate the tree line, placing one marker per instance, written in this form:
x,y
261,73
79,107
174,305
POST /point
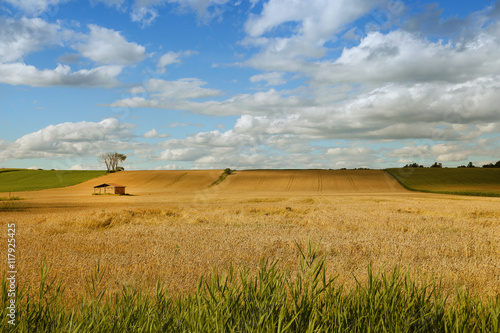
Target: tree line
x,y
440,165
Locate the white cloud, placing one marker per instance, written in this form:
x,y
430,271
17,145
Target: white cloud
x,y
405,57
35,7
272,78
317,21
22,74
442,152
81,167
106,46
169,167
144,16
26,35
182,89
145,12
182,154
265,102
118,4
72,139
200,6
172,58
168,94
216,138
350,151
154,134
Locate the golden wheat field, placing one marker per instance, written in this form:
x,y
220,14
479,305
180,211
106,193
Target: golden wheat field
x,y
175,227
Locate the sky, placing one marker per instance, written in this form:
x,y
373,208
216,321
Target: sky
x,y
249,84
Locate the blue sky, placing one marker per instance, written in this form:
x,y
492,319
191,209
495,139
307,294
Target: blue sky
x,y
185,84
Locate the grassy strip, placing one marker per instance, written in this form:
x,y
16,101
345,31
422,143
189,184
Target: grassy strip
x,y
222,177
10,198
423,180
32,180
11,203
9,170
272,301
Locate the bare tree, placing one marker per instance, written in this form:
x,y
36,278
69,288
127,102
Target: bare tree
x,y
111,160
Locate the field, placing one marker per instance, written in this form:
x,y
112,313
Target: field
x,y
463,181
14,180
175,227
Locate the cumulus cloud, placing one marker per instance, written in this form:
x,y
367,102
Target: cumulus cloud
x,y
271,78
154,134
27,35
74,139
106,46
264,102
144,16
22,74
400,56
19,38
169,167
215,149
430,22
182,154
168,94
172,58
317,22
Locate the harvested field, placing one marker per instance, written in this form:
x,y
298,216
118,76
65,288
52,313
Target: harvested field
x,y
176,228
333,181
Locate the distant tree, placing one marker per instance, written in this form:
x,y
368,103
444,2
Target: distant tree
x,y
470,165
111,160
491,165
413,165
437,165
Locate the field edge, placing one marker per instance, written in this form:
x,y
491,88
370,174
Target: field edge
x,y
401,181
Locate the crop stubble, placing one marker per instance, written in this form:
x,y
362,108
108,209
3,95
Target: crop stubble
x,y
175,229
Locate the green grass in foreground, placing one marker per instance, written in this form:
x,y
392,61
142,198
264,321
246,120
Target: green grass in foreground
x,y
462,181
272,301
14,180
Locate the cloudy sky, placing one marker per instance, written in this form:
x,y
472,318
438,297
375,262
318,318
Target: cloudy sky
x,y
182,84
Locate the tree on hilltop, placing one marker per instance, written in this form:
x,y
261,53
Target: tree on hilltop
x,y
112,160
413,165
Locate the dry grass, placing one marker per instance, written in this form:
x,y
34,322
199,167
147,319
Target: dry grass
x,y
179,238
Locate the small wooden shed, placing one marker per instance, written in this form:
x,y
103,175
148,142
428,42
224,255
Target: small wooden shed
x,y
109,188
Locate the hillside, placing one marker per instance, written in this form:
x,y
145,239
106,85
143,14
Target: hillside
x,y
336,181
464,181
14,180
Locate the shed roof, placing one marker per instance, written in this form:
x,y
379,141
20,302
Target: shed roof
x,y
109,185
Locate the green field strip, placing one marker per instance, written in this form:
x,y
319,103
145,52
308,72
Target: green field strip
x,y
459,181
16,180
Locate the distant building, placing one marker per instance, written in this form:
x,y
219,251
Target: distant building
x,y
109,188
